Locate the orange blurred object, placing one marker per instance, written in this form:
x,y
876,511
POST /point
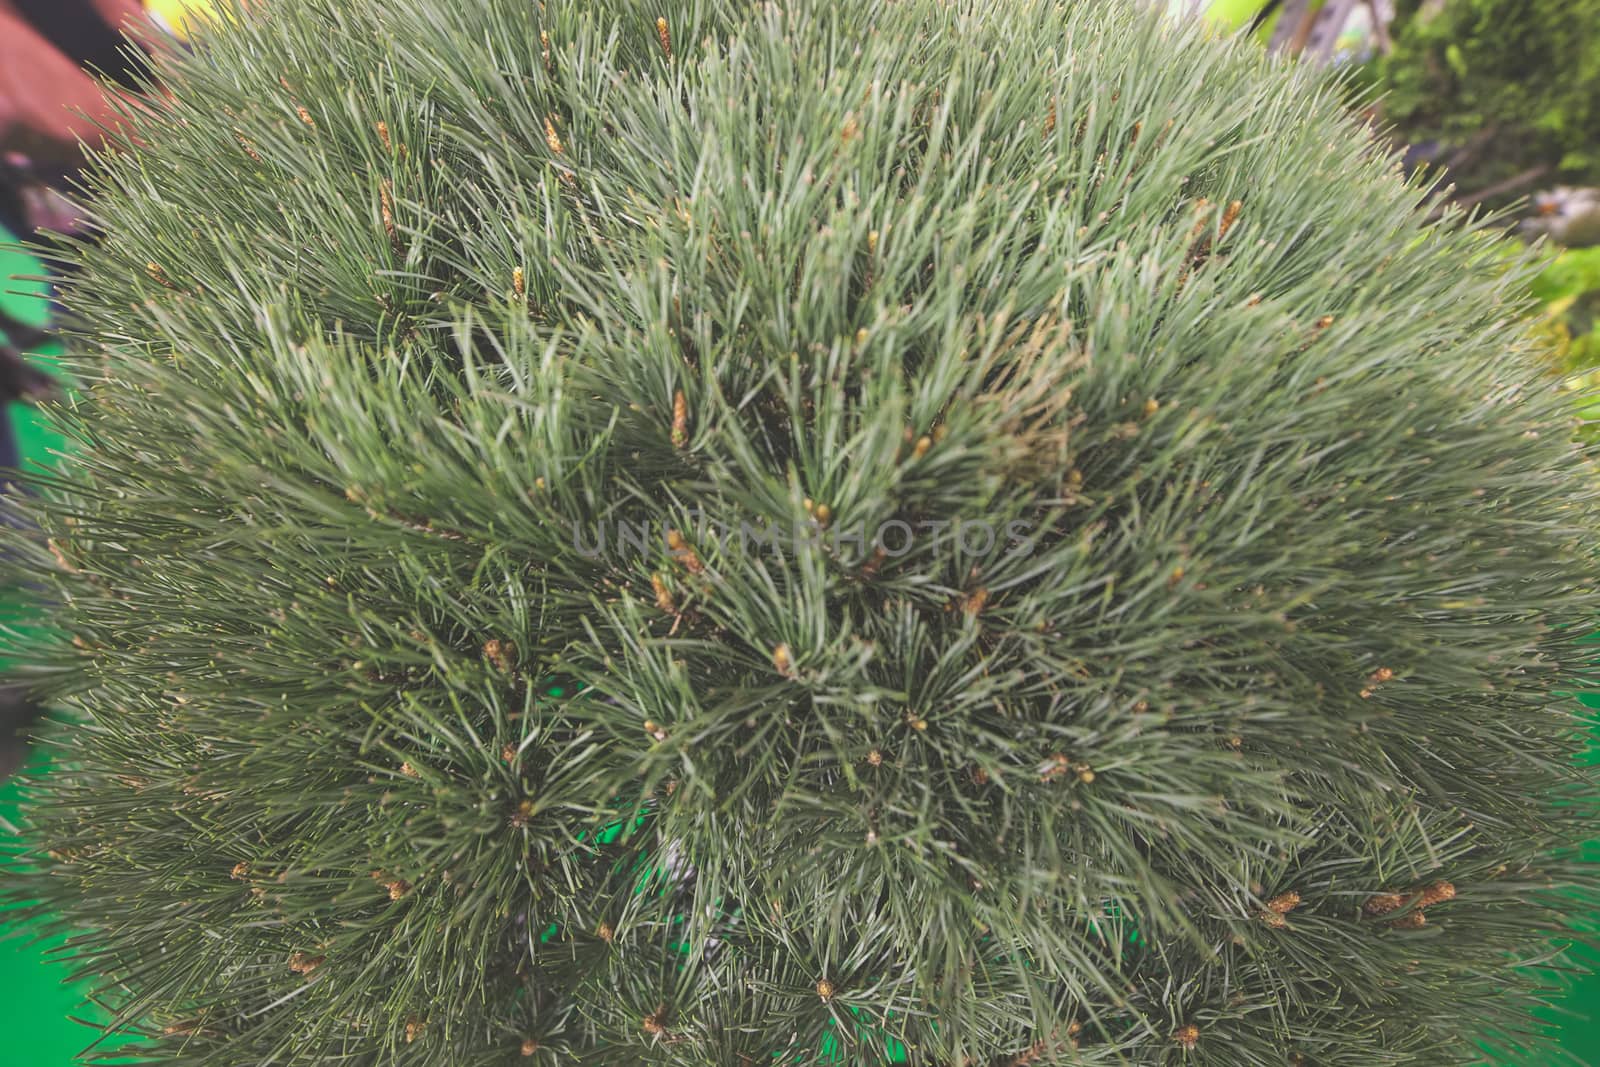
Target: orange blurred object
x,y
48,101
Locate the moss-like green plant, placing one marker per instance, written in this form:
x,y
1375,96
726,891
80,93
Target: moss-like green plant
x,y
1511,89
986,532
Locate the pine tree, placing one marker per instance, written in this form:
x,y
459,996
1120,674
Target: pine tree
x,y
983,532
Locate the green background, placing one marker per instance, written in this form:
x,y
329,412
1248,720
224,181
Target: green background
x,y
37,1006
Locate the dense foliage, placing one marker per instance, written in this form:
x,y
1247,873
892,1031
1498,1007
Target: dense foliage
x,y
1150,642
1509,87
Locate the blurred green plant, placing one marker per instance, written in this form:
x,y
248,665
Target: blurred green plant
x,y
1509,88
1569,289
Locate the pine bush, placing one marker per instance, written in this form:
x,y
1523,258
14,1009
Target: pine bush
x,y
987,532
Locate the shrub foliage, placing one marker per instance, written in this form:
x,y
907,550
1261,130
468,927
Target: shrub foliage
x,y
1109,591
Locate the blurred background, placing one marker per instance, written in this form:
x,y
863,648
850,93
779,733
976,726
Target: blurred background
x,y
1501,97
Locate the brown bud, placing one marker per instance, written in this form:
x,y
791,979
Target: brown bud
x,y
1383,904
552,138
524,813
499,653
240,872
508,754
680,420
875,758
519,282
386,207
606,932
529,1047
305,117
1284,903
683,553
1188,1036
783,660
825,989
300,963
1436,893
414,1028
664,35
664,599
1411,920
1229,216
